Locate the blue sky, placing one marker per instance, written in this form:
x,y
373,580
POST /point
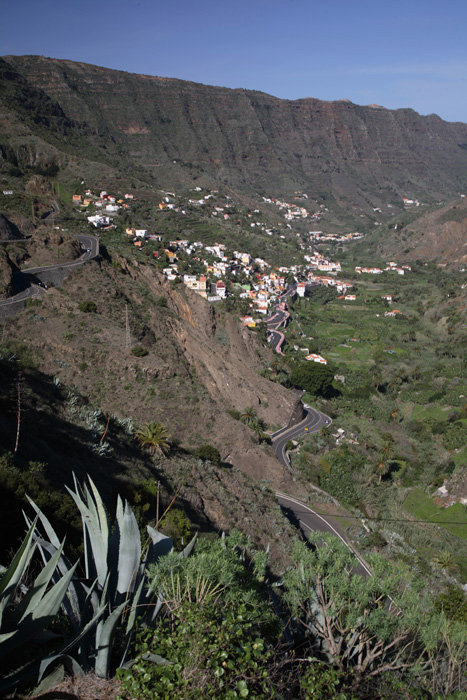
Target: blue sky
x,y
404,53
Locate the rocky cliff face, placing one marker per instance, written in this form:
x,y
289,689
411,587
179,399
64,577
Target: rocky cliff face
x,y
8,230
7,270
439,235
173,131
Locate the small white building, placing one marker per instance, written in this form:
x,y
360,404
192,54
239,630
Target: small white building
x,y
316,358
99,221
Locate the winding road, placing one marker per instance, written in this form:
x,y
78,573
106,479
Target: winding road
x,y
28,284
312,423
314,420
277,320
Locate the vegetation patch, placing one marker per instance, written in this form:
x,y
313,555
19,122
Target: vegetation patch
x,y
452,519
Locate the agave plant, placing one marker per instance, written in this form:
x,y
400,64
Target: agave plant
x,y
37,607
106,601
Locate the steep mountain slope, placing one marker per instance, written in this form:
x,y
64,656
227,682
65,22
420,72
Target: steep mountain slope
x,y
199,362
439,235
171,131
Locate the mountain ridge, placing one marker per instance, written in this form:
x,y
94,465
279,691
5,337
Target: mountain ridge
x,y
166,130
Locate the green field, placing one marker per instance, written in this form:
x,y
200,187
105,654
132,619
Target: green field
x,y
430,411
452,519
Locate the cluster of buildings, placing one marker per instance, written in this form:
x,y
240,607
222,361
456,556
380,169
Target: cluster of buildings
x,y
252,279
321,237
258,283
339,285
317,261
108,204
390,267
292,212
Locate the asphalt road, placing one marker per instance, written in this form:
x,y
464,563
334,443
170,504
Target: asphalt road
x,y
314,420
275,337
30,287
87,242
309,520
312,423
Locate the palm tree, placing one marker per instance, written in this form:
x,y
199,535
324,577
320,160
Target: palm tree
x,y
249,416
154,437
259,426
445,560
383,467
386,449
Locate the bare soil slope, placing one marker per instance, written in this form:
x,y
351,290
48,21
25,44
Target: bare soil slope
x,y
200,362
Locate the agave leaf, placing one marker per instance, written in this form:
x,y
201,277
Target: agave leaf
x,y
52,679
159,546
114,549
84,496
134,607
13,574
40,617
73,601
104,644
103,522
49,531
23,674
97,538
8,635
119,510
37,590
185,553
80,636
50,603
129,557
132,619
155,658
68,662
157,608
88,500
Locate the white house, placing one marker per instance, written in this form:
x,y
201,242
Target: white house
x,y
99,221
316,358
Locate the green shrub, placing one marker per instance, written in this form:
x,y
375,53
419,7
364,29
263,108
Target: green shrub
x,y
87,307
208,452
33,302
453,603
177,526
139,351
214,651
314,378
16,352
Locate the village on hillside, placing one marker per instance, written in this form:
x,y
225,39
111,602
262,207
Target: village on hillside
x,y
215,273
